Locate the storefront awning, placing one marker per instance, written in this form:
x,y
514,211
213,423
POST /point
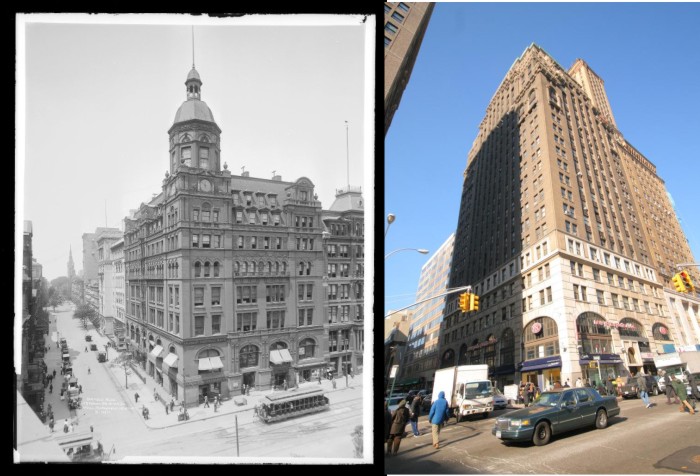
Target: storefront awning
x,y
170,360
538,364
311,363
216,363
157,350
205,364
278,357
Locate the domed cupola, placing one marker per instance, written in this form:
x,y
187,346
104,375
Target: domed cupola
x,y
194,135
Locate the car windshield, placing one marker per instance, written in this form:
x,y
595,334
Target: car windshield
x,y
477,390
548,399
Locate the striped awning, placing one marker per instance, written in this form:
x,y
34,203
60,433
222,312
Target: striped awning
x,y
157,350
281,356
170,360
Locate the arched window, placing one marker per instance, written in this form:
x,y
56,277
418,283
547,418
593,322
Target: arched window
x,y
216,269
261,267
661,332
448,359
541,338
284,267
252,267
197,269
206,269
268,270
308,268
307,348
249,356
463,358
236,267
211,365
245,267
594,335
630,328
278,346
301,268
277,267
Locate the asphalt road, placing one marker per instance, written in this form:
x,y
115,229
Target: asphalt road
x,y
632,444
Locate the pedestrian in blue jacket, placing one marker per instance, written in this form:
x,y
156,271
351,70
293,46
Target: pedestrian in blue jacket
x,y
439,413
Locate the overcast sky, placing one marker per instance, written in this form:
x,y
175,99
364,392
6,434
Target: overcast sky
x,y
101,96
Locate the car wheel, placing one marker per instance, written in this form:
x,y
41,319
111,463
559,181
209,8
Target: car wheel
x,y
542,434
485,415
601,419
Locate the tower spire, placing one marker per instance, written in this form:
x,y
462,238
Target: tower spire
x,y
192,46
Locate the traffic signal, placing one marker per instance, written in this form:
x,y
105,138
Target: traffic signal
x,y
685,277
678,283
464,302
473,302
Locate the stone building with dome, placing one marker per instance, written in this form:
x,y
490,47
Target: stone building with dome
x,y
223,272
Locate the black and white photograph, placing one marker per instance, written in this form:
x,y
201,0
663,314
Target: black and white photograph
x,y
194,202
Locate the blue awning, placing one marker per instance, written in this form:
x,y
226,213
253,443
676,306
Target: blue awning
x,y
538,364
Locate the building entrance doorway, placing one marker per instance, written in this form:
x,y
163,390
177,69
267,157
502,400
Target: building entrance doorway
x,y
249,379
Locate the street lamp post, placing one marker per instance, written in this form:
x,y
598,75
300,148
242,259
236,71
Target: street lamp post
x,y
390,219
420,250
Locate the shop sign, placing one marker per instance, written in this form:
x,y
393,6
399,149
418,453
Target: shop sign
x,y
663,330
536,328
617,325
647,355
482,344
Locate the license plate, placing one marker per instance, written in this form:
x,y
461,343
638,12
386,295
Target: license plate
x,y
498,433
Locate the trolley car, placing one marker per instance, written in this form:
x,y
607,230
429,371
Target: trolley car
x,y
289,404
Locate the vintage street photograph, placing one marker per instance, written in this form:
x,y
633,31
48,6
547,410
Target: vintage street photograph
x,y
193,209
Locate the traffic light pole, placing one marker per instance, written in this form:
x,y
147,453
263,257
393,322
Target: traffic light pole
x,y
449,291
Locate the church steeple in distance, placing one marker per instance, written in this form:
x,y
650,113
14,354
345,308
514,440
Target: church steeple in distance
x,y
71,267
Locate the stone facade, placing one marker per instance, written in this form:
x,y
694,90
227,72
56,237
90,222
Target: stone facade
x,y
564,232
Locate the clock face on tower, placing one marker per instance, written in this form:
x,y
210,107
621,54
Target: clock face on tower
x,y
205,185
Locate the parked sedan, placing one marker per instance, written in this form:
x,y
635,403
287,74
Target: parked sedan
x,y
499,400
554,412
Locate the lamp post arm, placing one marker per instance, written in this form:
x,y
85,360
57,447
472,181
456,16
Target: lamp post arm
x,y
449,291
683,265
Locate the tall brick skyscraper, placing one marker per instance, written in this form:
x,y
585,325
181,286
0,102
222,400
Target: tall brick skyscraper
x,y
567,234
404,27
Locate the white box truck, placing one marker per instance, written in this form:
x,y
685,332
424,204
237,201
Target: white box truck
x,y
467,389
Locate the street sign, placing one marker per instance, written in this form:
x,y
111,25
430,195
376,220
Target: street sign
x,y
394,369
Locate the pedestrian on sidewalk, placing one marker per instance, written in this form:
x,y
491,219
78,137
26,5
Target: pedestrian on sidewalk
x,y
54,373
206,401
346,379
172,404
416,404
85,348
88,370
80,389
247,390
136,397
333,382
61,370
71,428
643,390
65,425
398,425
439,413
166,409
679,387
670,391
50,388
319,377
284,384
216,406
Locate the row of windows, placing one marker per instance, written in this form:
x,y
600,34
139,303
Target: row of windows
x,y
248,199
333,291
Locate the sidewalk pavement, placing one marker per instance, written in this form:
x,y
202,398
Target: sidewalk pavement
x,y
158,418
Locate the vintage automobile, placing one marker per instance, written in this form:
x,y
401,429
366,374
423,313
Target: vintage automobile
x,y
102,356
554,412
88,338
93,346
